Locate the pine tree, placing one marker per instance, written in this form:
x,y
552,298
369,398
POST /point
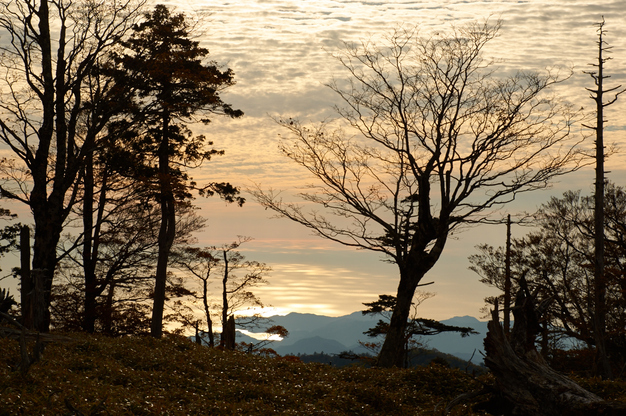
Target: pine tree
x,y
172,84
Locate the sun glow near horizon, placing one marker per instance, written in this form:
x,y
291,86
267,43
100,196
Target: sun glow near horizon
x,y
281,54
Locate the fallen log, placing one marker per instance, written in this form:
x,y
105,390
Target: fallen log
x,y
523,377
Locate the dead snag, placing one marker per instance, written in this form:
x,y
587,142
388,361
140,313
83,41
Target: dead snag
x,y
523,377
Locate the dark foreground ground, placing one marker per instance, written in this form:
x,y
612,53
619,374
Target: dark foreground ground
x,y
93,375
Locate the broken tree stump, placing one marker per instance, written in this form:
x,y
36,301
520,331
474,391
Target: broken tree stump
x,y
523,377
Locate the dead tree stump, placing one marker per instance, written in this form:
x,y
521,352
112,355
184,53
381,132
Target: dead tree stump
x,y
523,377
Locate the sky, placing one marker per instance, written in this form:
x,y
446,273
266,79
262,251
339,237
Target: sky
x,y
281,52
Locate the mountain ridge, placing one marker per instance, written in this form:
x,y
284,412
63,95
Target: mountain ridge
x,y
309,333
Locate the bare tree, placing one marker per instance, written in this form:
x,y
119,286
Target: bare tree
x,y
201,264
600,282
556,260
237,277
51,118
438,141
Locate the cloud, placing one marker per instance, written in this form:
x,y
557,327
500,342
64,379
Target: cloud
x,y
281,52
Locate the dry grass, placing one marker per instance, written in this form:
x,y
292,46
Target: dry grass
x,y
142,376
94,375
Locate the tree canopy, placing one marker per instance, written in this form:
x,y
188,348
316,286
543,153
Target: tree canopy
x,y
557,262
433,140
170,82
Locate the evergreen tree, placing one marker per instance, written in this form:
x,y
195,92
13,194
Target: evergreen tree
x,y
415,327
172,84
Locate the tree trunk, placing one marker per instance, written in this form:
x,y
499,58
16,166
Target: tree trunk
x,y
44,215
599,321
229,333
107,313
224,294
507,278
93,288
418,263
26,282
393,351
49,211
525,380
207,312
89,266
47,234
167,231
39,301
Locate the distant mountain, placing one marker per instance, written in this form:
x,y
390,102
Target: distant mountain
x,y
347,330
310,333
311,345
304,321
462,347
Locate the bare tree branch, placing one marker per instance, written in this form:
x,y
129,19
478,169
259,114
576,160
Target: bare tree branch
x,y
434,140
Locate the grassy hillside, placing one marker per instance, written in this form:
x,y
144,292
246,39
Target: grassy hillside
x,y
142,376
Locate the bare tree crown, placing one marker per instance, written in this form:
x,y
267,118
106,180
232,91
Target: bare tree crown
x,y
434,139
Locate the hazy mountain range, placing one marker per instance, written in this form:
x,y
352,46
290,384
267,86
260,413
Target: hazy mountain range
x,y
309,333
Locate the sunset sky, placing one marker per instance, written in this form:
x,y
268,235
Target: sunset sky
x,y
281,53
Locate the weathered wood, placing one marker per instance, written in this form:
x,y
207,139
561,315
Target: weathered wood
x,y
525,379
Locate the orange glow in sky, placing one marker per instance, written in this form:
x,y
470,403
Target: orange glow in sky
x,y
281,54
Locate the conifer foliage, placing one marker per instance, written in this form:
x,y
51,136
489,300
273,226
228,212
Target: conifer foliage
x,y
171,84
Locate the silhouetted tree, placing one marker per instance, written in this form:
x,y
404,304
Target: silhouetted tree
x,y
557,262
51,117
416,326
523,379
237,277
165,68
600,310
126,233
201,264
119,222
440,141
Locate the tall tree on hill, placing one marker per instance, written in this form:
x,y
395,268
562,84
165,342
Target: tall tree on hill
x,y
440,141
51,118
600,284
172,83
